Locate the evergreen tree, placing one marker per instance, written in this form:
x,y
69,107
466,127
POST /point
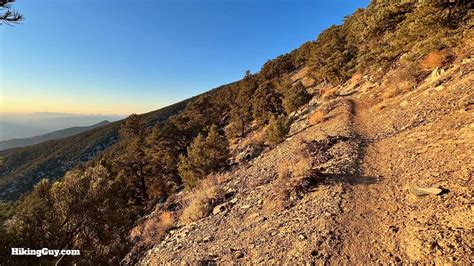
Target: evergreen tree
x,y
266,102
241,112
132,163
295,97
205,155
278,127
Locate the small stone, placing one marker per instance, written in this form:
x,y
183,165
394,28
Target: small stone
x,y
404,104
239,255
424,191
207,239
439,88
245,206
302,237
220,208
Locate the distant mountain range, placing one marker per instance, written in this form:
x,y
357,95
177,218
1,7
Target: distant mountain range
x,y
23,142
23,167
17,126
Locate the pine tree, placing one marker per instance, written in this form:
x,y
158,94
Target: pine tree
x,y
7,15
241,112
133,163
205,155
266,102
295,97
278,127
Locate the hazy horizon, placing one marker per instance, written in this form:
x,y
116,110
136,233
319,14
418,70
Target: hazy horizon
x,y
111,64
15,126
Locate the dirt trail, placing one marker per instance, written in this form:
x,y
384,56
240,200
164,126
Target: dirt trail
x,y
426,140
369,207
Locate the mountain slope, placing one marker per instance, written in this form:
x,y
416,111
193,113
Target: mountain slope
x,y
23,167
18,126
14,143
223,180
10,130
361,207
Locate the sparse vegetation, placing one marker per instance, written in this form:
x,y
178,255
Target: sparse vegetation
x,y
402,80
434,60
294,178
152,229
202,200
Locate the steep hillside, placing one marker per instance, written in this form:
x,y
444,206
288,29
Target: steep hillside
x,y
15,143
354,148
361,205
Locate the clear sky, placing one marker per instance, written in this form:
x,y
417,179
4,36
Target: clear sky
x,y
121,57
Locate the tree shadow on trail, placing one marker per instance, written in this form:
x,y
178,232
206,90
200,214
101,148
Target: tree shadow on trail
x,y
331,179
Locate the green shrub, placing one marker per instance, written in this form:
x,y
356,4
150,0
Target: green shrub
x,y
278,127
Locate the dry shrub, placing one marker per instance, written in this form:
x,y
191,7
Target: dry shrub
x,y
317,117
435,59
257,137
153,229
379,107
328,93
401,80
355,78
202,199
389,92
217,178
260,136
294,179
167,219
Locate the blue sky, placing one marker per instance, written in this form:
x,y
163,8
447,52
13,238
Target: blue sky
x,y
116,56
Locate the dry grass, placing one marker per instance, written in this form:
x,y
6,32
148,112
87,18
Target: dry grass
x,y
355,78
434,59
202,199
153,229
401,80
328,93
257,137
294,178
317,117
379,107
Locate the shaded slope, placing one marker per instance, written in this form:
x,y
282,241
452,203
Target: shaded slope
x,y
15,143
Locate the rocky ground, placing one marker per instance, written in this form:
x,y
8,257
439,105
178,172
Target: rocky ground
x,y
366,204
